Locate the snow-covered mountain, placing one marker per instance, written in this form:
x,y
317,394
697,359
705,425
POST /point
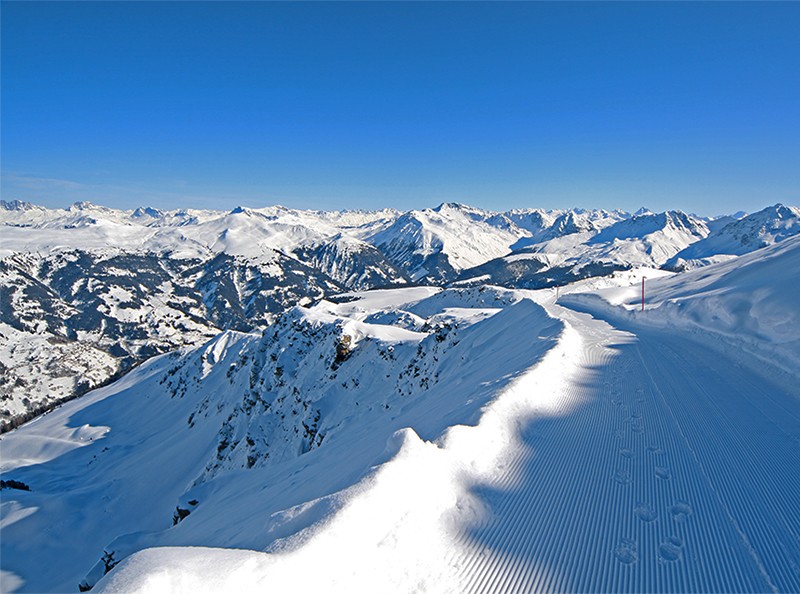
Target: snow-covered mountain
x,y
581,249
114,287
438,440
739,236
117,308
434,244
107,288
353,263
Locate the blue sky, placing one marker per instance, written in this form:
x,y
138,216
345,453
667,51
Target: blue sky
x,y
367,105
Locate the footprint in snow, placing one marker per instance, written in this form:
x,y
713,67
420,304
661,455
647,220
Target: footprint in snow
x,y
681,510
626,453
654,449
626,551
623,477
637,426
645,512
663,473
670,549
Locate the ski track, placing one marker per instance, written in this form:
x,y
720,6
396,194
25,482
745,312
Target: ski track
x,y
667,468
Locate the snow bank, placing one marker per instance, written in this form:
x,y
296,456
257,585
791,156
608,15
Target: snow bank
x,y
750,301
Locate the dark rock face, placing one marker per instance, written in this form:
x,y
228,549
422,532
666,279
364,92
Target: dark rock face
x,y
357,266
129,307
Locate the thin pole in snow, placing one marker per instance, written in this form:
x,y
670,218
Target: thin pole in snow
x,y
643,293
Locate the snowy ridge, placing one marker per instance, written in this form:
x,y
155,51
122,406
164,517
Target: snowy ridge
x,y
586,250
432,477
298,398
740,236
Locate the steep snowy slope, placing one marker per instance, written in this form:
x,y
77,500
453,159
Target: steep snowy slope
x,y
435,243
251,439
354,264
740,236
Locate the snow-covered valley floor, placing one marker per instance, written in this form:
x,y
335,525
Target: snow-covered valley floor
x,y
581,452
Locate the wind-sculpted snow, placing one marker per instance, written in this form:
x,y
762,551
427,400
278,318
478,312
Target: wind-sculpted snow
x,y
260,441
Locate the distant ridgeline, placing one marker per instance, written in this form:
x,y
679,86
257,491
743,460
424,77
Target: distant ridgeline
x,y
88,292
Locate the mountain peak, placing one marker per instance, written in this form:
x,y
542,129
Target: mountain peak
x,y
444,206
147,211
17,205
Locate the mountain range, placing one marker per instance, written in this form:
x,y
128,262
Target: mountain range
x,y
438,439
88,292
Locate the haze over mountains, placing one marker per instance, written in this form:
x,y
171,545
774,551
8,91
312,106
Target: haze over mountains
x,y
88,291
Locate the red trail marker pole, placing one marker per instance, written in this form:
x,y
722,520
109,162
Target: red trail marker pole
x,y
642,293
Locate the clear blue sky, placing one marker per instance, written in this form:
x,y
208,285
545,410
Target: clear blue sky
x,y
366,105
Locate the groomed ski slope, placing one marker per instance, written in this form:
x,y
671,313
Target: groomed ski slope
x,y
654,464
675,469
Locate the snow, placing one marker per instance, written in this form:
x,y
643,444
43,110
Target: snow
x,y
750,301
252,233
476,439
372,398
741,236
39,368
407,508
382,299
629,457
